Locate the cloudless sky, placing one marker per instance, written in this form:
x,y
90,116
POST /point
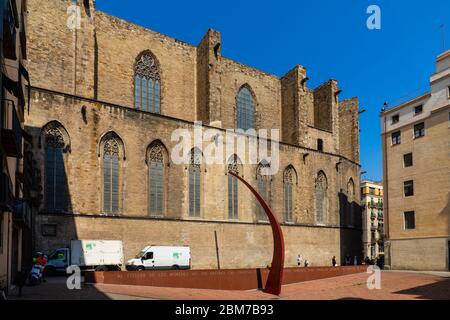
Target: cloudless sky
x,y
328,37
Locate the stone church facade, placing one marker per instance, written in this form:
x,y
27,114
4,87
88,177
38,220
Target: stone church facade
x,y
105,100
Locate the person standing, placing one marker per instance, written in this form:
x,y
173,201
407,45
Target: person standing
x,y
306,263
299,260
355,261
333,261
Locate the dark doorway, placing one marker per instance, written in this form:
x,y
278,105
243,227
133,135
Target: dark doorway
x,y
14,253
448,257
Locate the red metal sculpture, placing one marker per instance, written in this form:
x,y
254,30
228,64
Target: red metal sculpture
x,y
275,278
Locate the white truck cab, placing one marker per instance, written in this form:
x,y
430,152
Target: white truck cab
x,y
100,255
161,258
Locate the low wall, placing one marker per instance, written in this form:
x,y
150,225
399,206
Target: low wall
x,y
232,279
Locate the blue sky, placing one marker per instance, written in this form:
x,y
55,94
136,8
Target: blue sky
x,y
328,37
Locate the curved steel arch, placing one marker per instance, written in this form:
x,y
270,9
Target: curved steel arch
x,y
275,278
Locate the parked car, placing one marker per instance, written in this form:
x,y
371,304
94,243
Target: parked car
x,y
98,255
160,258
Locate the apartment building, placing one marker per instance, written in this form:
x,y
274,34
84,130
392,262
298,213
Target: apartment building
x,y
373,219
416,174
15,213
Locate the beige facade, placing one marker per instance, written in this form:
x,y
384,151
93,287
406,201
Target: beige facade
x,y
416,167
84,88
373,219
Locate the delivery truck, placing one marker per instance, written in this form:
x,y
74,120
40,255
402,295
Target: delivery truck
x,y
160,258
98,255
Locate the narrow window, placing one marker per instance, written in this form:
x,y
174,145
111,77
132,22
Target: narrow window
x,y
418,110
55,174
448,92
245,110
287,190
410,220
263,189
194,183
320,144
111,176
408,187
233,191
396,138
408,160
395,119
156,180
321,198
419,130
147,88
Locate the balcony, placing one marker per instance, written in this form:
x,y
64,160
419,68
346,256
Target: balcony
x,y
6,193
12,135
22,213
23,37
9,30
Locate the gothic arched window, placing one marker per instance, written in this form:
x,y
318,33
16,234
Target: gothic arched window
x,y
245,109
111,177
263,189
156,179
321,198
195,182
234,165
147,84
55,173
288,182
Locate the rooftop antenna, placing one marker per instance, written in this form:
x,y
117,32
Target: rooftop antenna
x,y
442,28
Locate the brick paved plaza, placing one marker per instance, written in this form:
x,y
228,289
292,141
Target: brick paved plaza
x,y
394,286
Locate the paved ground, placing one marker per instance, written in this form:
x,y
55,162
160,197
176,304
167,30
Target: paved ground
x,y
394,286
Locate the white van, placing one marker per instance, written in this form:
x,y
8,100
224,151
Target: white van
x,y
160,258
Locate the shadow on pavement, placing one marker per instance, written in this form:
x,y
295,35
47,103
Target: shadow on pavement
x,y
439,290
55,288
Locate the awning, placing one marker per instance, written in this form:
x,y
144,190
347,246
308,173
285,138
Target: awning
x,y
15,88
24,72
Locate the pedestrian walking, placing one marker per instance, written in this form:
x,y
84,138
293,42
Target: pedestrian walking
x,y
333,261
306,263
299,260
